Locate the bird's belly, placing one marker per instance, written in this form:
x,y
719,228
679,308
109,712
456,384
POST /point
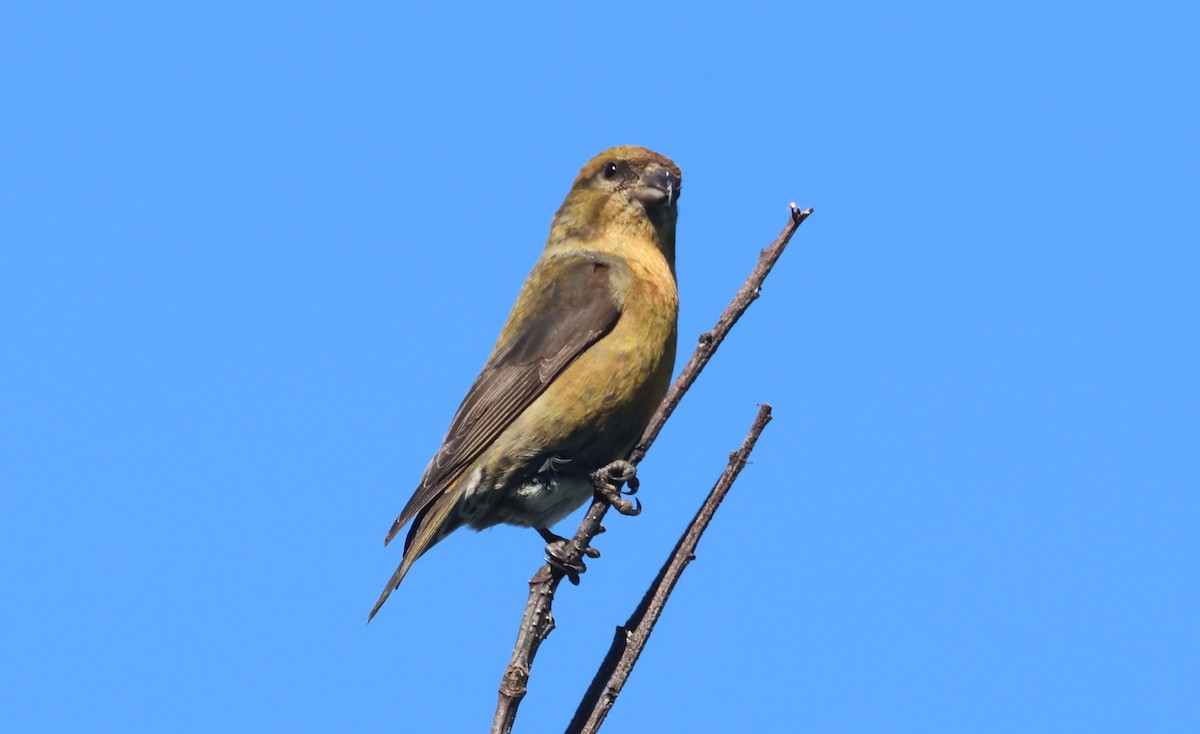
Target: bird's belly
x,y
540,501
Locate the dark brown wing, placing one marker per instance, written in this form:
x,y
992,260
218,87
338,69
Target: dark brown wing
x,y
573,306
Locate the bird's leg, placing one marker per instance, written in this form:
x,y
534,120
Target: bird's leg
x,y
558,554
606,479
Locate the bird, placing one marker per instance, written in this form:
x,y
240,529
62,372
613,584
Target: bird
x,y
581,364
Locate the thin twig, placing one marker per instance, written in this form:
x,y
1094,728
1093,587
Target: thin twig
x,y
538,619
710,340
630,639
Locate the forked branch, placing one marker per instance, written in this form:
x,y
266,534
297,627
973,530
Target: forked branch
x,y
538,620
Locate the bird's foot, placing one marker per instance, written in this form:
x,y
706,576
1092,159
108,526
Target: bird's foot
x,y
607,479
559,552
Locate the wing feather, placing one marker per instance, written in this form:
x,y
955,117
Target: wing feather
x,y
569,313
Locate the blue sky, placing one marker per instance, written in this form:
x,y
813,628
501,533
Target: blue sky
x,y
253,256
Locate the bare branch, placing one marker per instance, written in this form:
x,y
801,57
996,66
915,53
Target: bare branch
x,y
630,639
710,340
538,620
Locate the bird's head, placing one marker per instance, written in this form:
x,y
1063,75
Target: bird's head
x,y
627,190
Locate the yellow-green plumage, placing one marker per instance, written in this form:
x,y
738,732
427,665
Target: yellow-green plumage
x,y
579,368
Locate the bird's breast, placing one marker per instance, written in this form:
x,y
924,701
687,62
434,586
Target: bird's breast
x,y
597,407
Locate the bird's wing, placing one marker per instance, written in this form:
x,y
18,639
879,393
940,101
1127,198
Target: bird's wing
x,y
569,313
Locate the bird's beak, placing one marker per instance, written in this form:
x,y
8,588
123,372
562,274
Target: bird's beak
x,y
657,188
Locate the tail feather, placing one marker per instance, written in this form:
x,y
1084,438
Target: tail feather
x,y
430,526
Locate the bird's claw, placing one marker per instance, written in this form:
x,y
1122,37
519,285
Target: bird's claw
x,y
608,478
558,555
559,552
618,472
631,485
614,499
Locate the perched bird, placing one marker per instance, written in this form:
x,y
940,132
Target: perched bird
x,y
580,367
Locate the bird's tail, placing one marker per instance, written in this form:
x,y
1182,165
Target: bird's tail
x,y
432,524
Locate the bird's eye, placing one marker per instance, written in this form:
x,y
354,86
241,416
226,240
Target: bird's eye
x,y
610,170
